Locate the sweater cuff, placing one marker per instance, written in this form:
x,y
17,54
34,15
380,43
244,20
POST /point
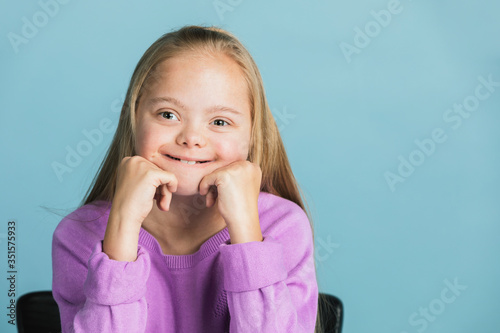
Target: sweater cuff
x,y
253,265
111,282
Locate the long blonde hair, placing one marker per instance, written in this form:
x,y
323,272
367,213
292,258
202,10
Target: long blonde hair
x,y
266,148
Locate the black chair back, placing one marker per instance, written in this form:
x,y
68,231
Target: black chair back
x,y
37,312
332,311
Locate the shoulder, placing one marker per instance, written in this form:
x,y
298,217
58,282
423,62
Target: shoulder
x,y
84,226
273,209
284,220
72,243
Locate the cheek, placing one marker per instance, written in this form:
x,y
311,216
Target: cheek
x,y
233,150
141,141
146,140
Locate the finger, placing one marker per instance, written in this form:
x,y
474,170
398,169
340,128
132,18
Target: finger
x,y
211,196
157,196
166,178
166,197
168,185
203,187
206,182
172,184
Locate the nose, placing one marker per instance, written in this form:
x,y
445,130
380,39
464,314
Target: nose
x,y
191,136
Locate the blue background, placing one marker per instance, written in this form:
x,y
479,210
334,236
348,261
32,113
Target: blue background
x,y
346,120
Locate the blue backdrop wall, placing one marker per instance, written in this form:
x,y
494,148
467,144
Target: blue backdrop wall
x,y
389,111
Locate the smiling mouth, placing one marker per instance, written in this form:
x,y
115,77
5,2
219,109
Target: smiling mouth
x,y
186,162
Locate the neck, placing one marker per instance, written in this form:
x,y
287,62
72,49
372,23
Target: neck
x,y
186,226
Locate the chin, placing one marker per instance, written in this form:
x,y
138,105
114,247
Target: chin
x,y
187,188
184,191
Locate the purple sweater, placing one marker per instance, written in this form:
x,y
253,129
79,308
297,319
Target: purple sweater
x,y
267,286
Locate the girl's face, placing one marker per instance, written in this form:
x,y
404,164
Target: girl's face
x,y
194,109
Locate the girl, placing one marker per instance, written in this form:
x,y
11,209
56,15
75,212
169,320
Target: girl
x,y
194,222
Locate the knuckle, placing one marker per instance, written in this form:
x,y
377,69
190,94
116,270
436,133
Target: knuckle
x,y
224,177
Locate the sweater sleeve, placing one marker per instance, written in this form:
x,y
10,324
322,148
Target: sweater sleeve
x,y
271,285
95,293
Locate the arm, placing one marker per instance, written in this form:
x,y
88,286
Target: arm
x,y
93,292
106,293
271,285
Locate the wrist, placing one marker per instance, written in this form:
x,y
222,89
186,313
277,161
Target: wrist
x,y
245,231
121,239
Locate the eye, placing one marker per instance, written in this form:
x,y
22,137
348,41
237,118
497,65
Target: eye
x,y
169,115
220,122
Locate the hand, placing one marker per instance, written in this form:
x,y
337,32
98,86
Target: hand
x,y
236,188
138,183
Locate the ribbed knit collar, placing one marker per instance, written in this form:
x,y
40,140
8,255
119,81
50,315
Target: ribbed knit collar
x,y
188,260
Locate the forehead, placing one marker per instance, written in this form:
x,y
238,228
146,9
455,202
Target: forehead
x,y
210,69
196,78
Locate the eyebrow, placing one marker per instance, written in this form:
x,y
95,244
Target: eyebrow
x,y
158,100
